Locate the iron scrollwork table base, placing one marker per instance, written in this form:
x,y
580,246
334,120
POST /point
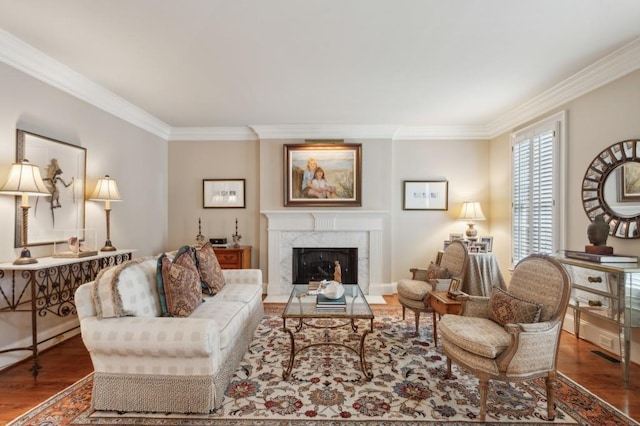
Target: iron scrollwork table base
x,y
302,309
48,287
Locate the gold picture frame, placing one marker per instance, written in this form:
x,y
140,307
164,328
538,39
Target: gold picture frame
x,y
323,175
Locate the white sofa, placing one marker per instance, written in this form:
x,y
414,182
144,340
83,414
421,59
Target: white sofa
x,y
144,362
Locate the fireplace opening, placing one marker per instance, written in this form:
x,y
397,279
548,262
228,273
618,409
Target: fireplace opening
x,y
317,264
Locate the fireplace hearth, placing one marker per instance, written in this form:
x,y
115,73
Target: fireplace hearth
x,y
317,264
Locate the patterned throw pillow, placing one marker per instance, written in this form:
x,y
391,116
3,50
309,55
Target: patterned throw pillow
x,y
436,272
179,284
507,309
209,269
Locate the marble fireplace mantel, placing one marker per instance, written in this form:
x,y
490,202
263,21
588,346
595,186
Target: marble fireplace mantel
x,y
336,228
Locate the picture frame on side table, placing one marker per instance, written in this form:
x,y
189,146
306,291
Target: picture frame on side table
x,y
323,175
63,170
223,194
456,236
489,243
425,195
482,247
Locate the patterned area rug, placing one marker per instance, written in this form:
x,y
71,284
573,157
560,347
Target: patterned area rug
x,y
327,387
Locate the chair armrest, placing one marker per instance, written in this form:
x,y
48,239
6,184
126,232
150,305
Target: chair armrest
x,y
475,306
418,274
524,355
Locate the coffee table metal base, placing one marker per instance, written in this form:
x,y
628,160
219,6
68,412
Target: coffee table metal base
x,y
352,322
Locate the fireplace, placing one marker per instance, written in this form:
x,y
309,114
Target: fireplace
x,y
361,229
317,264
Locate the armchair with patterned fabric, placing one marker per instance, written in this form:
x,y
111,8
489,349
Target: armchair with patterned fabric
x,y
413,294
514,335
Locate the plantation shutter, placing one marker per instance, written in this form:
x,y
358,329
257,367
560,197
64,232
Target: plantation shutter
x,y
534,180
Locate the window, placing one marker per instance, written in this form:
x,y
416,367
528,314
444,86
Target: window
x,y
537,224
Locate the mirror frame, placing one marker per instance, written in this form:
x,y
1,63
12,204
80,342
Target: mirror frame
x,y
593,201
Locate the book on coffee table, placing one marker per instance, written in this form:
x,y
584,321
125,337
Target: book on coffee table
x,y
325,301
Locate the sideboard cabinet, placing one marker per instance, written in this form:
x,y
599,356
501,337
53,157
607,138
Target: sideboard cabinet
x,y
234,257
610,291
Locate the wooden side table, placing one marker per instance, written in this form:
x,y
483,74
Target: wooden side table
x,y
234,258
442,304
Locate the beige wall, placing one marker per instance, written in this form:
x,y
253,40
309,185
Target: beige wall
x,y
136,159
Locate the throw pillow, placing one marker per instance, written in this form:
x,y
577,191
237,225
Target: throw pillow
x,y
435,272
507,309
209,269
181,283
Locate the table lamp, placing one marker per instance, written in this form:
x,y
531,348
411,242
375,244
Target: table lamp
x,y
471,211
25,179
107,191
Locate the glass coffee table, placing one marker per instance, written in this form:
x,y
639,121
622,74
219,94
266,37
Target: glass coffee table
x,y
301,310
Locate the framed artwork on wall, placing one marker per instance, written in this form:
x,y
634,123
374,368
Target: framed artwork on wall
x,y
323,175
425,195
62,166
223,194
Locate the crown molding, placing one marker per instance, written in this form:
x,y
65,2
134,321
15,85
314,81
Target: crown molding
x,y
441,133
613,66
240,133
325,131
18,54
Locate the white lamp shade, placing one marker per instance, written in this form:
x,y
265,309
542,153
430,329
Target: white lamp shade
x,y
471,210
25,179
106,190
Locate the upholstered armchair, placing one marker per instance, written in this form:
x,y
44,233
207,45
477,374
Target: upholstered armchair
x,y
514,335
413,294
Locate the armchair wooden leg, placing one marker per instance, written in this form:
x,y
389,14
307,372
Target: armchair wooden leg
x,y
403,311
417,323
448,375
550,381
484,387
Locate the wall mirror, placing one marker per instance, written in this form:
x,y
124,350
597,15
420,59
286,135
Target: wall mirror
x,y
611,188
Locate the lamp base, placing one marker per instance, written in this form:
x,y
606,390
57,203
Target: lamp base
x,y
108,246
25,258
471,232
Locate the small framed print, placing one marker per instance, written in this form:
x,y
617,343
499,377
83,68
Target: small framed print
x,y
223,193
454,286
488,241
446,244
425,195
453,237
474,249
482,247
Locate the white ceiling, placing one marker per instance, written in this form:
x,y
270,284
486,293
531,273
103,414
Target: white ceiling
x,y
427,66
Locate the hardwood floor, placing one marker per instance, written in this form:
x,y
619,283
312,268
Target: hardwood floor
x,y
69,361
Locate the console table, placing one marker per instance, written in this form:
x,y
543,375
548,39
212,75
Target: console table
x,y
609,291
48,287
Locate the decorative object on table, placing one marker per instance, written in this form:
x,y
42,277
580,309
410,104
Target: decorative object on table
x,y
598,232
323,175
454,288
333,290
62,168
470,212
223,194
219,242
488,241
107,191
24,180
200,239
611,186
425,195
337,271
75,247
236,237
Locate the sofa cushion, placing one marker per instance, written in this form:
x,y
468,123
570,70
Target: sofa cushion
x,y
229,316
209,269
507,309
127,289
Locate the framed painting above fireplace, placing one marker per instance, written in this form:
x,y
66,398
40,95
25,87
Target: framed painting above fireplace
x,y
323,175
